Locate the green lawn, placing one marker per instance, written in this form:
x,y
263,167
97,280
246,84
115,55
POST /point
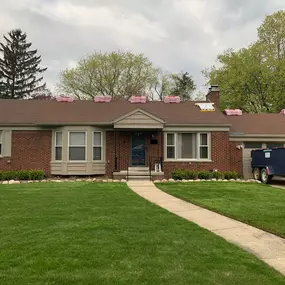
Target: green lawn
x,y
101,233
256,204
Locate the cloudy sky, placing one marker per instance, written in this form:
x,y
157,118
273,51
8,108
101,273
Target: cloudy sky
x,y
175,34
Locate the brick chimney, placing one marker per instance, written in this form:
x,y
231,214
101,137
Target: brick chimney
x,y
214,95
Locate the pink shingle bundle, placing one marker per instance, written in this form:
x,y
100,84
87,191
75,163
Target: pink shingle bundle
x,y
138,99
233,112
171,99
102,99
64,99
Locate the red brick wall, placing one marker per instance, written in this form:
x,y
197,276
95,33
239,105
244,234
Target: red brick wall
x,y
123,149
236,157
220,155
30,150
224,154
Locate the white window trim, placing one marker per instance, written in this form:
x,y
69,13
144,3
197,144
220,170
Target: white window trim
x,y
93,145
55,145
68,145
1,143
200,145
197,148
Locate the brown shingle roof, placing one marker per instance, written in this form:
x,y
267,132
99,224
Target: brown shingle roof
x,y
257,124
37,112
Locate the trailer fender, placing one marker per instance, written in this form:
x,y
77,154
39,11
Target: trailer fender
x,y
270,170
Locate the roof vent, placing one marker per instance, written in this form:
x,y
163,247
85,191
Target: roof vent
x,y
171,99
102,99
282,112
233,112
138,99
64,99
206,107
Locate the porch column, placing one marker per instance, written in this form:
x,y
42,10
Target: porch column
x,y
161,149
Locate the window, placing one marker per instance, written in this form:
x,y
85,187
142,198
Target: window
x,y
170,146
204,148
58,146
77,146
253,145
1,135
274,145
187,146
97,146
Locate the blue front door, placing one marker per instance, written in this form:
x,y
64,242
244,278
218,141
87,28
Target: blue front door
x,y
138,149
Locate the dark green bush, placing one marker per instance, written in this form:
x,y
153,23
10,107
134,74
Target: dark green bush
x,y
180,174
37,174
191,175
205,175
22,175
217,175
231,175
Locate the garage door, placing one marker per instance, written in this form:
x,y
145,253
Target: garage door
x,y
246,157
246,154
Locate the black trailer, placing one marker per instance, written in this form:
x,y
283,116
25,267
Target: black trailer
x,y
267,163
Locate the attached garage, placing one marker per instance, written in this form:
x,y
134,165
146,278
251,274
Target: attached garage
x,y
246,154
256,131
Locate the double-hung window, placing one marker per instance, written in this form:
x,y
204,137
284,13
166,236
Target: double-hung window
x,y
97,146
191,146
77,146
58,146
1,138
170,146
204,146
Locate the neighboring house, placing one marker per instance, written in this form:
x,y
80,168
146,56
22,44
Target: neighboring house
x,y
88,138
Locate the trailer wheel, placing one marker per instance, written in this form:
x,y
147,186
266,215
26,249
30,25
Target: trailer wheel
x,y
256,174
265,178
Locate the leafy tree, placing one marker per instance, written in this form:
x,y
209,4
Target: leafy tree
x,y
183,86
161,87
253,78
118,74
19,66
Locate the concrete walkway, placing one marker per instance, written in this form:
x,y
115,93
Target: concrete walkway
x,y
266,246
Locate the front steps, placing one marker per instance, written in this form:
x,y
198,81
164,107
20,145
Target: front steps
x,y
136,173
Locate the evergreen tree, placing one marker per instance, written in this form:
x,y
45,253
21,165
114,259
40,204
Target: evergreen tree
x,y
184,86
2,87
19,67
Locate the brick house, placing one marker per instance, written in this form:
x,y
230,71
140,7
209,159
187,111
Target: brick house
x,y
89,138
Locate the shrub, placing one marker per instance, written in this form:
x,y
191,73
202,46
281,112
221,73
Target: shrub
x,y
36,174
191,175
205,175
178,174
231,175
217,175
22,175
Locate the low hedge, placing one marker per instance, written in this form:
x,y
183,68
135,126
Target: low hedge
x,y
22,175
181,174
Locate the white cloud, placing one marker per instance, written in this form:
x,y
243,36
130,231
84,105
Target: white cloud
x,y
134,25
174,34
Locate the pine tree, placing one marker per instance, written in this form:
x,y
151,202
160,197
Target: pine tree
x,y
2,87
19,67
